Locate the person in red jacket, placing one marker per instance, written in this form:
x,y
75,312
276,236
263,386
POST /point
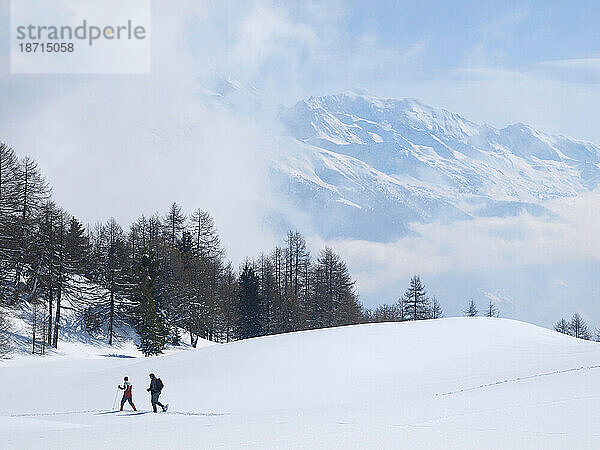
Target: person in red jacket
x,y
128,394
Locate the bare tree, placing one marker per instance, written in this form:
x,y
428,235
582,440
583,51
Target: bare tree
x,y
492,310
436,309
4,334
174,224
578,327
562,326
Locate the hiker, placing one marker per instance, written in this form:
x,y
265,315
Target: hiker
x,y
156,386
128,394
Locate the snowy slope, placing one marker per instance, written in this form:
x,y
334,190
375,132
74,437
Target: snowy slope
x,y
450,383
74,339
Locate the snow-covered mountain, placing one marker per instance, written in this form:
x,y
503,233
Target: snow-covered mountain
x,y
366,167
363,173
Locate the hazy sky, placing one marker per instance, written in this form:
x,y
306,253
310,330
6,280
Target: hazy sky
x,y
122,145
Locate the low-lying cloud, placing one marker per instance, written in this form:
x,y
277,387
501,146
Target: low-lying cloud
x,y
482,243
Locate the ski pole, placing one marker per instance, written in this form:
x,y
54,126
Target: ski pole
x,y
115,400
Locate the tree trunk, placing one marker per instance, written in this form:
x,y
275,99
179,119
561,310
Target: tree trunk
x,y
60,286
112,313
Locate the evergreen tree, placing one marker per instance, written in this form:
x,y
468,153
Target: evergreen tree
x,y
149,322
165,275
471,310
250,307
76,245
335,301
416,302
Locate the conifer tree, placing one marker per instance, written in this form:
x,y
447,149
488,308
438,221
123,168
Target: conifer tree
x,y
266,292
492,310
385,313
149,322
204,234
31,191
8,190
436,309
471,310
4,334
111,251
174,224
578,327
416,302
562,326
335,299
250,307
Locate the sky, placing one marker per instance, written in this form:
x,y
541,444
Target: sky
x,y
123,145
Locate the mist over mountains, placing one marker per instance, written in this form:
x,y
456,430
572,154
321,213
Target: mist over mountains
x,y
368,167
400,187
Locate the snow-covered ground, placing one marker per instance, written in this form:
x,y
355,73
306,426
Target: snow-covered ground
x,y
450,383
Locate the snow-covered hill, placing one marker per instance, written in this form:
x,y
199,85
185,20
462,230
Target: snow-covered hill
x,y
376,165
450,383
76,339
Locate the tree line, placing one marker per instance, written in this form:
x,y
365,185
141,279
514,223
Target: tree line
x,y
166,275
414,304
577,327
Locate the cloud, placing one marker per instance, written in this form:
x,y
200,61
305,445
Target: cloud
x,y
493,38
126,145
294,50
579,70
493,244
139,142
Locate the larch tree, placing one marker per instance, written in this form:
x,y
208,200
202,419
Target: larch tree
x,y
31,191
174,224
578,327
562,326
8,204
416,303
436,309
492,310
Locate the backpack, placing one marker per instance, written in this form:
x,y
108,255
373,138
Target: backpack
x,y
159,384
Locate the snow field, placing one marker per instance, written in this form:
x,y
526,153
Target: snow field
x,y
449,383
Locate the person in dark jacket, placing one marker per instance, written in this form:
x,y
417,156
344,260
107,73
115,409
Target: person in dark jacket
x,y
156,386
128,394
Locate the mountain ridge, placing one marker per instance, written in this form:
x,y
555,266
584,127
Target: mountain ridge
x,y
404,162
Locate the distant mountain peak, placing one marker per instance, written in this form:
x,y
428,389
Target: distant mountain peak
x,y
398,161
